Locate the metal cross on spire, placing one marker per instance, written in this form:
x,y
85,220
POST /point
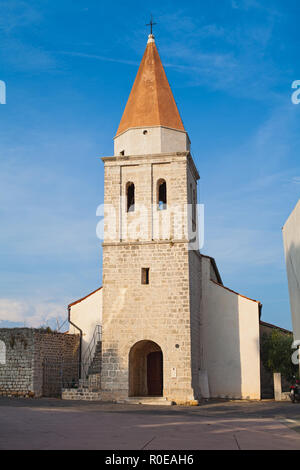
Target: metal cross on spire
x,y
151,24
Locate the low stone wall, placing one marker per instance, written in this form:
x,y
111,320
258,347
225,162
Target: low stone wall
x,y
84,394
56,355
23,353
285,396
16,367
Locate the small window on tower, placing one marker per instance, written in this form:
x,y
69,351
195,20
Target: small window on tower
x,y
145,275
130,197
161,195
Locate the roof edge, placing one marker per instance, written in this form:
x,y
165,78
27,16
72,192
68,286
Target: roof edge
x,y
213,262
237,293
83,298
263,323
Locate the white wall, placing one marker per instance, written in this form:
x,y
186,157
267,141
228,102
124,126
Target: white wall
x,y
291,240
230,340
156,140
86,314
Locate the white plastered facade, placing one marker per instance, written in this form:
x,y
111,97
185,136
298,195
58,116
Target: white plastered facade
x,y
229,339
86,314
291,240
151,140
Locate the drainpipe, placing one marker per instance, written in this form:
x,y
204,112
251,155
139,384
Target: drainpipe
x,y
80,340
260,309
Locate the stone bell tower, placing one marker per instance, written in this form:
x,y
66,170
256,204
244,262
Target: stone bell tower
x,y
151,264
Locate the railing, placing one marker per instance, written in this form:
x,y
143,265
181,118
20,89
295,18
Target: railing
x,y
89,354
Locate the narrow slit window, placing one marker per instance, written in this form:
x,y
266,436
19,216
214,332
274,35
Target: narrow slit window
x,y
194,217
145,275
161,195
130,197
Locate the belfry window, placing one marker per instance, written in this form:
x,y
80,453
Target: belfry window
x,y
161,195
130,194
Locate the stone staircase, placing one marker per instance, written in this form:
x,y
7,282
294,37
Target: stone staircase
x,y
88,389
80,394
88,386
95,366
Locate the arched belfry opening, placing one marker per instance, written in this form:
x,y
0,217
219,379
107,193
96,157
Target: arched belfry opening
x,y
145,370
161,195
130,196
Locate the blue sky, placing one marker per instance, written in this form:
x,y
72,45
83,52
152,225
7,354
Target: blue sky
x,y
69,67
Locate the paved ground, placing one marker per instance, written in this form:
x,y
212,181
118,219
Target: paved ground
x,y
56,424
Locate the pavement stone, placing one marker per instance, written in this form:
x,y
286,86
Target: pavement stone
x,y
59,424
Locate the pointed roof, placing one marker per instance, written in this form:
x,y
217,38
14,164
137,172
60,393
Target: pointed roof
x,y
151,101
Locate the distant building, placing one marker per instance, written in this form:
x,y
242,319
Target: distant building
x,y
291,239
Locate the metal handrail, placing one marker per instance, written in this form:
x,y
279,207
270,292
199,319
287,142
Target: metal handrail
x,y
89,354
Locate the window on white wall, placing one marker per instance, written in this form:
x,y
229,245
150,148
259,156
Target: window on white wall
x,y
2,353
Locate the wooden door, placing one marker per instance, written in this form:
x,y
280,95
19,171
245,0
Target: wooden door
x,y
155,374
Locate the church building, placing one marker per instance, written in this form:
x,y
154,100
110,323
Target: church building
x,y
168,328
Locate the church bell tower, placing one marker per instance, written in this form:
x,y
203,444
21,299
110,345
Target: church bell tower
x,y
151,264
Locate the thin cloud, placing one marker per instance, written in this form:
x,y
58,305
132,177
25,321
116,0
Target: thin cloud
x,y
31,314
17,14
99,57
25,57
16,51
234,60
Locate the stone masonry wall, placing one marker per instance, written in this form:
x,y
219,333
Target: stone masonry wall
x,y
16,375
26,349
56,358
160,311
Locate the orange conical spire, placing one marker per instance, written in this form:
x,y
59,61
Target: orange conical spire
x,y
151,102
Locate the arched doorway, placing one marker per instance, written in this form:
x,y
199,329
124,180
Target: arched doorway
x,y
145,370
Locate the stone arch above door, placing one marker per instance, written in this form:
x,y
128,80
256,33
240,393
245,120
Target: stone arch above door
x,y
145,369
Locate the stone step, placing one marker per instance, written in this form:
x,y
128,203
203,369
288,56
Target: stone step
x,y
83,383
161,401
80,394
